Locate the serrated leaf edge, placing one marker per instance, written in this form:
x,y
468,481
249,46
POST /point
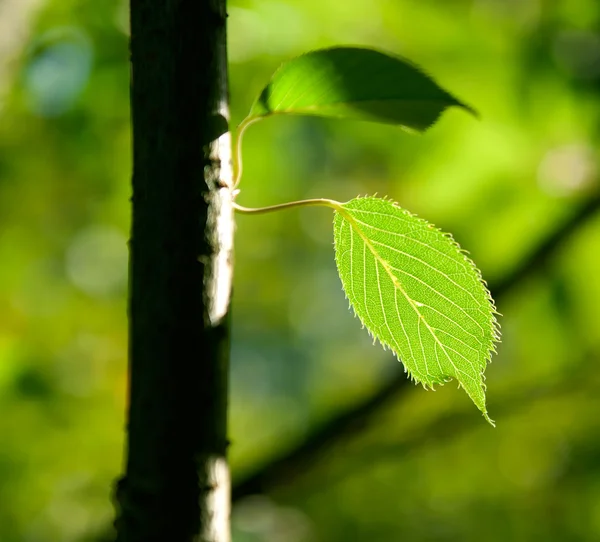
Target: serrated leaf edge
x,y
495,328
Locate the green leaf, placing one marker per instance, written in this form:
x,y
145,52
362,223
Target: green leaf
x,y
355,83
416,291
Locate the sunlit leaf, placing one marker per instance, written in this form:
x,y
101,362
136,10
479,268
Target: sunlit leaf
x,y
417,293
355,83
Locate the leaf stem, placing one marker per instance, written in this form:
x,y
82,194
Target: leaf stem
x,y
237,149
302,203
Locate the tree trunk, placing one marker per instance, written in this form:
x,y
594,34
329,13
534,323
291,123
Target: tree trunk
x,y
176,487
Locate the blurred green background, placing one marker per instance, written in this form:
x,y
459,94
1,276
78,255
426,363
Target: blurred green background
x,y
423,467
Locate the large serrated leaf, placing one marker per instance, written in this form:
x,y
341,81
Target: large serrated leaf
x,y
355,83
417,293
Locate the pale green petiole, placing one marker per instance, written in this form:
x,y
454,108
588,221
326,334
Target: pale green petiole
x,y
323,202
237,149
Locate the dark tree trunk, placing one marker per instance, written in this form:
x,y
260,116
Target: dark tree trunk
x,y
176,486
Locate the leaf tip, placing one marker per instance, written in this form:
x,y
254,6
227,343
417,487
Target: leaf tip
x,y
469,109
488,419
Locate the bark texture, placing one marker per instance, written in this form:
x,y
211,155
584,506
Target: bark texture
x,y
176,485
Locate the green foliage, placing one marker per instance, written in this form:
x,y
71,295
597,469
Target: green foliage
x,y
416,292
409,283
500,186
355,83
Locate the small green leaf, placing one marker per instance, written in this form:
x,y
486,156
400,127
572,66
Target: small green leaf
x,y
355,83
417,293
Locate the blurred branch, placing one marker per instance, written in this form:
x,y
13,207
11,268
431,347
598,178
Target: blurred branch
x,y
281,469
345,423
582,382
540,256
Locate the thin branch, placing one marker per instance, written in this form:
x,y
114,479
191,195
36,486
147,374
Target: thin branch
x,y
282,469
176,485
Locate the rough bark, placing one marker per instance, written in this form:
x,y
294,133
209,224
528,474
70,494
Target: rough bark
x,y
176,485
